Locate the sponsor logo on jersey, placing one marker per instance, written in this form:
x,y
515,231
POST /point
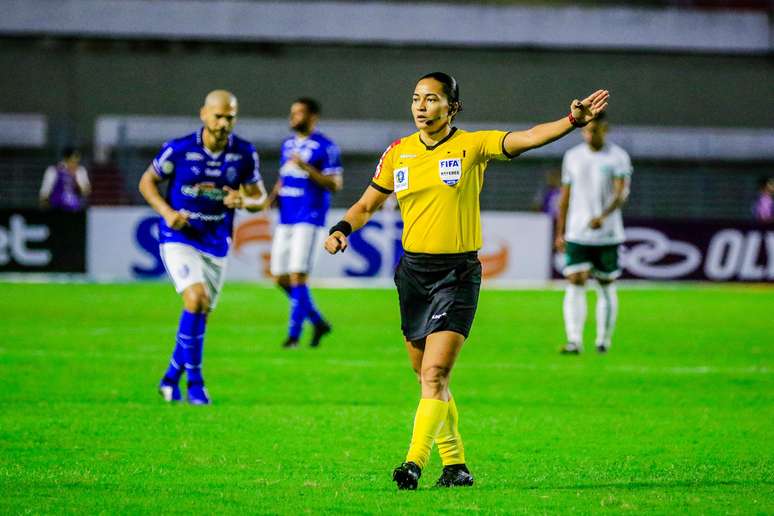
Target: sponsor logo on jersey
x,y
450,170
231,174
196,170
206,217
194,156
205,190
167,167
212,172
290,191
213,163
400,179
233,157
290,169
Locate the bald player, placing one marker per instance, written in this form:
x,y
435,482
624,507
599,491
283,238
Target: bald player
x,y
211,173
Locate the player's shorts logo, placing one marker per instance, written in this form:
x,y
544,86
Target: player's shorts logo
x,y
183,271
400,177
450,170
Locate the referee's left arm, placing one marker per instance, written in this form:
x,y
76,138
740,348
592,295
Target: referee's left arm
x,y
581,113
356,217
368,204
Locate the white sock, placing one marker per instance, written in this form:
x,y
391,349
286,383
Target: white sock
x,y
575,312
607,311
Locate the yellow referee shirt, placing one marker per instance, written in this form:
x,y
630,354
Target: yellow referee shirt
x,y
438,188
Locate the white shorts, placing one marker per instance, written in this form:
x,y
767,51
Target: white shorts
x,y
295,248
187,266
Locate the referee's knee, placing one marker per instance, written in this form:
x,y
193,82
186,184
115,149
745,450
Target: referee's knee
x,y
435,377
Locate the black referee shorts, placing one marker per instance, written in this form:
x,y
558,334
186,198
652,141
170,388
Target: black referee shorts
x,y
437,292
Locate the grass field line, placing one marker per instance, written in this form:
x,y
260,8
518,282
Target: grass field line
x,y
141,354
676,370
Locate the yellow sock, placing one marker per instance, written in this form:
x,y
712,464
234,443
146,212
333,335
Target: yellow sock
x,y
449,440
431,415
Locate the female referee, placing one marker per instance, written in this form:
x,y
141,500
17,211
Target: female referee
x,y
437,174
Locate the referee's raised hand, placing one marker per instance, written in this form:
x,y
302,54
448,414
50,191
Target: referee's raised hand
x,y
586,110
336,242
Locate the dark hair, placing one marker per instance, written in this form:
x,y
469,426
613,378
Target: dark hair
x,y
70,151
450,88
312,105
763,181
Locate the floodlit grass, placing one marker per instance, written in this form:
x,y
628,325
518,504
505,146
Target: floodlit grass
x,y
677,418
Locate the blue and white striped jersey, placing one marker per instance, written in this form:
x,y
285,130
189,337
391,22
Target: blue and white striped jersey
x,y
196,180
300,198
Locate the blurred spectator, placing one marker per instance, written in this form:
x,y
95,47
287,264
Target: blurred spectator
x,y
763,207
547,197
65,185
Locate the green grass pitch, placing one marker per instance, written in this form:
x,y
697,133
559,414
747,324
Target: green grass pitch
x,y
679,417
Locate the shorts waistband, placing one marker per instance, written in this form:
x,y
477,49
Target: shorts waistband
x,y
439,260
442,256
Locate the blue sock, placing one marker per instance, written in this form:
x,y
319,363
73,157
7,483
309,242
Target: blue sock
x,y
190,336
177,362
298,309
311,310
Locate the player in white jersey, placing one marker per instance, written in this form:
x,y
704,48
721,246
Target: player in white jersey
x,y
589,228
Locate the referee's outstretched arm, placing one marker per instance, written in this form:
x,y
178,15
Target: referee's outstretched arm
x,y
581,113
355,218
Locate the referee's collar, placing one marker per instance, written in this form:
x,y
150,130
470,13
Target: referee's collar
x,y
444,140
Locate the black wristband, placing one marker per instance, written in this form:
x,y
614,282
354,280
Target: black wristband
x,y
343,226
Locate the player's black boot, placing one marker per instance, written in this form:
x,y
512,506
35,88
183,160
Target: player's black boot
x,y
456,475
320,330
290,343
602,348
406,476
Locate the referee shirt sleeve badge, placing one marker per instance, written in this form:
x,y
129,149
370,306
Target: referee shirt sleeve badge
x,y
450,170
401,178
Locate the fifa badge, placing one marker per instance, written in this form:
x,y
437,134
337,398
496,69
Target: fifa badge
x,y
450,170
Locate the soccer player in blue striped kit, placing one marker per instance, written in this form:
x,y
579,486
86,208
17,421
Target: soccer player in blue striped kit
x,y
310,170
211,173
